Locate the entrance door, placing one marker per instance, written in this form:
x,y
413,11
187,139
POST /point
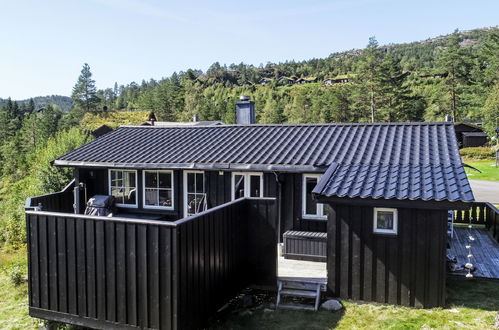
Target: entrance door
x,y
194,193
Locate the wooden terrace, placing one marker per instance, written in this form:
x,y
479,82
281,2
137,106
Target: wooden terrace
x,y
484,249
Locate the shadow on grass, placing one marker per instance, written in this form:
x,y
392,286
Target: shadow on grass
x,y
282,319
475,293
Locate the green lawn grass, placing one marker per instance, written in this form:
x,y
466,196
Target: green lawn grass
x,y
488,171
470,304
14,299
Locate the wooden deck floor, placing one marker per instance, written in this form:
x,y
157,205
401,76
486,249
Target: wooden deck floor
x,y
312,270
484,249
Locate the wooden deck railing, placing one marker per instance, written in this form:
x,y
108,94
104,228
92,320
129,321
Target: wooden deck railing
x,y
123,273
61,201
480,214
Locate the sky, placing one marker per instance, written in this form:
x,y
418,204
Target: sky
x,y
45,43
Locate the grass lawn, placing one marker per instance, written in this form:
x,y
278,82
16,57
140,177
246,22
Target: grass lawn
x,y
470,304
489,172
14,299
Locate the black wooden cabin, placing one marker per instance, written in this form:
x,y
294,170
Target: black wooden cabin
x,y
381,191
470,135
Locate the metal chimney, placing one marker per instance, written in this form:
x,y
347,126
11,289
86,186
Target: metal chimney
x,y
195,118
245,111
449,118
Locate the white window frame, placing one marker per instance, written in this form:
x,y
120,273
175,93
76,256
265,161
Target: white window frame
x,y
136,187
185,188
157,207
320,207
377,230
246,183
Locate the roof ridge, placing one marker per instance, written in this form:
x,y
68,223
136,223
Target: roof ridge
x,y
444,123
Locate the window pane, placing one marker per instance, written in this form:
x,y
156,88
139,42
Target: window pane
x,y
151,179
191,204
113,175
165,180
117,194
238,186
255,186
151,197
384,220
130,196
190,182
311,205
130,179
200,183
165,197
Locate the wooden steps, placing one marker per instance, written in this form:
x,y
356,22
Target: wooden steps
x,y
299,288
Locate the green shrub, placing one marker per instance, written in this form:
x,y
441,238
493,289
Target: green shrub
x,y
478,153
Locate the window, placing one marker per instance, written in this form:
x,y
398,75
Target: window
x,y
158,189
194,193
123,186
385,220
247,185
310,208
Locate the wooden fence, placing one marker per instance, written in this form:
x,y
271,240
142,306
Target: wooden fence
x,y
128,273
62,201
480,214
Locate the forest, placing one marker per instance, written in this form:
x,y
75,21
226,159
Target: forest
x,y
455,75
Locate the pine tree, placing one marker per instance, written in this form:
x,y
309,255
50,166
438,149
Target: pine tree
x,y
368,79
84,92
455,62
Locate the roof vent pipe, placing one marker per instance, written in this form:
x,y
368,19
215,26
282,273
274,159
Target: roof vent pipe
x,y
245,111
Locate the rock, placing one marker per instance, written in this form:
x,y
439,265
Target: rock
x,y
268,310
332,305
246,312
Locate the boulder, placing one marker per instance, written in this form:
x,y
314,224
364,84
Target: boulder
x,y
332,305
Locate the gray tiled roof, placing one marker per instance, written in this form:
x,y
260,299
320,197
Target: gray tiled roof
x,y
364,151
421,182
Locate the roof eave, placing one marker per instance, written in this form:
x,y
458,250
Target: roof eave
x,y
393,202
211,166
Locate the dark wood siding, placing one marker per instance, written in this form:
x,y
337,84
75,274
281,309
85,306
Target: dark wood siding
x,y
115,273
104,270
292,206
218,191
405,269
218,255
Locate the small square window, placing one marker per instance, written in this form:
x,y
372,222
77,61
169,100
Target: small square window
x,y
385,220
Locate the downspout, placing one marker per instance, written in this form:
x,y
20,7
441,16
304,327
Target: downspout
x,y
279,206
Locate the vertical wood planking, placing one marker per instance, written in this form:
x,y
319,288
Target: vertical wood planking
x,y
110,257
53,263
33,250
121,271
62,264
131,275
43,257
142,285
91,269
100,267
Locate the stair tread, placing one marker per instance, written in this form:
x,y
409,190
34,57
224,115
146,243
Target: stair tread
x,y
297,307
300,293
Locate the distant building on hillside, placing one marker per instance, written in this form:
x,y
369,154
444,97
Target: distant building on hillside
x,y
339,79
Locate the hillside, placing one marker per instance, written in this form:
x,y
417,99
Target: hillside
x,y
455,74
63,102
